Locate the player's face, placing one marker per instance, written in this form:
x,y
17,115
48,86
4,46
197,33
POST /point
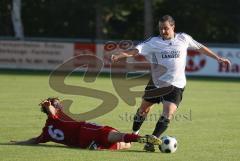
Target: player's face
x,y
166,30
57,104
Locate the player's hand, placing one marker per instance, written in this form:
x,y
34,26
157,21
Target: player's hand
x,y
45,103
25,142
225,61
18,142
114,58
13,141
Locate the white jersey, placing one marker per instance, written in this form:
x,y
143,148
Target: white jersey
x,y
168,58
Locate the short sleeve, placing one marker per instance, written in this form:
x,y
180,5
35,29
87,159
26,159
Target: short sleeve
x,y
144,48
192,43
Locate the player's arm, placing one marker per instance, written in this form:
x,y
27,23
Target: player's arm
x,y
49,108
42,138
125,54
32,141
205,50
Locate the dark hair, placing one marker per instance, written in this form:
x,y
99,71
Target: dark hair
x,y
54,101
167,18
43,109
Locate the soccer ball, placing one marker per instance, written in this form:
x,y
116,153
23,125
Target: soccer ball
x,y
169,144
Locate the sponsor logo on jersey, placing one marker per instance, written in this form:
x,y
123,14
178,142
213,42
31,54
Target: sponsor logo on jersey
x,y
170,54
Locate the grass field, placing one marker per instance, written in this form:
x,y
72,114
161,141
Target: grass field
x,y
207,125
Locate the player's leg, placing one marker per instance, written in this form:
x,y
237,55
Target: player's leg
x,y
141,115
169,110
151,96
170,104
162,124
111,139
116,136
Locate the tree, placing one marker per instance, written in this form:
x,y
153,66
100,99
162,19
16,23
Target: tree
x,y
99,20
16,19
6,28
215,21
207,21
148,18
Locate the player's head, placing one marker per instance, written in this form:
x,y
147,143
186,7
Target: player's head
x,y
54,101
166,27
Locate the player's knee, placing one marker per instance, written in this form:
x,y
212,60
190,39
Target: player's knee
x,y
115,136
164,121
144,111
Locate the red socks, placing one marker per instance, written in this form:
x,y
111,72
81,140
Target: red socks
x,y
130,138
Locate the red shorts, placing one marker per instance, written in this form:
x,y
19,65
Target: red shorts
x,y
99,134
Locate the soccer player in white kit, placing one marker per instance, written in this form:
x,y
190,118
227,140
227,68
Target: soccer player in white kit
x,y
167,54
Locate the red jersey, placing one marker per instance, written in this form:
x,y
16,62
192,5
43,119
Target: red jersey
x,y
62,129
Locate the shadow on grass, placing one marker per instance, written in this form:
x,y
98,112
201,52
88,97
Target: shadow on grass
x,y
75,148
39,145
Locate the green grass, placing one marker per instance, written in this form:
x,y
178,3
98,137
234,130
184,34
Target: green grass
x,y
206,125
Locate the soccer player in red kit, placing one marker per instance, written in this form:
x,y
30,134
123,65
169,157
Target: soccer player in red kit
x,y
60,128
